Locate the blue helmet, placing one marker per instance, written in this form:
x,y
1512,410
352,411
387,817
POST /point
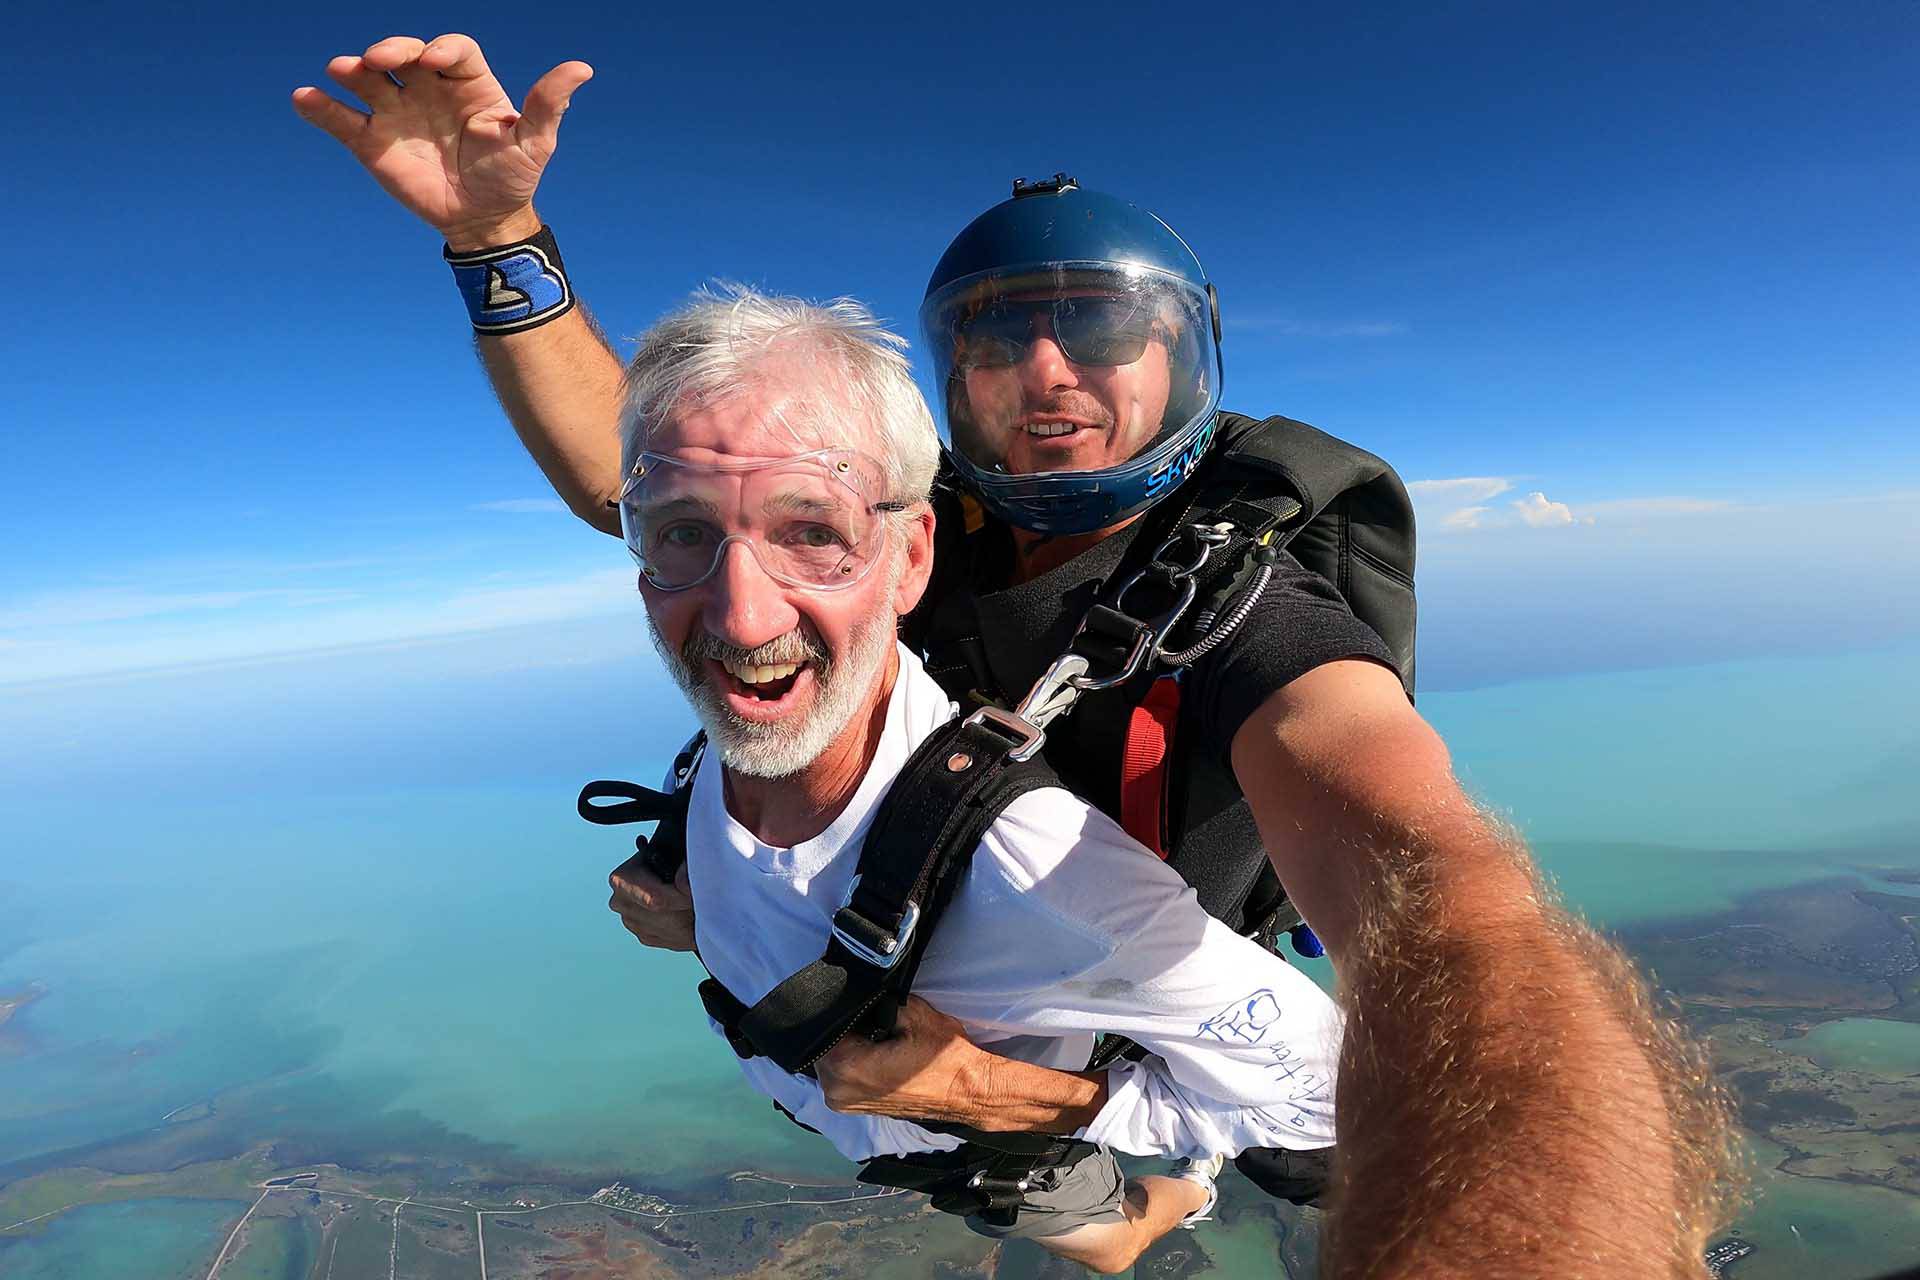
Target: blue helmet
x,y
1076,343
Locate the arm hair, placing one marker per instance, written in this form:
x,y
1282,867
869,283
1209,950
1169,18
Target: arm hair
x,y
1473,1073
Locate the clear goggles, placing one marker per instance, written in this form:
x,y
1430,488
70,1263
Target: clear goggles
x,y
813,520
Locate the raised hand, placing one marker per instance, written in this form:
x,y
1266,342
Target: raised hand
x,y
445,140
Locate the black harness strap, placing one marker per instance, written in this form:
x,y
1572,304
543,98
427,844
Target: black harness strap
x,y
917,849
920,844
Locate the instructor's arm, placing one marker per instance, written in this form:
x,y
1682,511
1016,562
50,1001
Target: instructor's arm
x,y
1507,1103
447,143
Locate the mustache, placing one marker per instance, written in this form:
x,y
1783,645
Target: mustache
x,y
1073,404
791,647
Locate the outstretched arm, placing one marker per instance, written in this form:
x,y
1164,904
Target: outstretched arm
x,y
445,141
1508,1103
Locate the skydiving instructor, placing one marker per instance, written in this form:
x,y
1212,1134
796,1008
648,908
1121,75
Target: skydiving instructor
x,y
1508,1102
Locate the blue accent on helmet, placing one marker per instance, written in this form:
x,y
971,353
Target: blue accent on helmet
x,y
1054,237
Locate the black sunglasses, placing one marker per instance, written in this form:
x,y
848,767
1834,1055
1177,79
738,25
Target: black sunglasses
x,y
1089,330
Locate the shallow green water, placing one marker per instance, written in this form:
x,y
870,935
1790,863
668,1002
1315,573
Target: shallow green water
x,y
428,967
1250,1245
1783,754
1804,1227
151,1239
1863,1044
410,949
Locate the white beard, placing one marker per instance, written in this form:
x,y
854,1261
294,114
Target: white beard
x,y
785,747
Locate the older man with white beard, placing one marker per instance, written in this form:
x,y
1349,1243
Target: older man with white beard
x,y
778,460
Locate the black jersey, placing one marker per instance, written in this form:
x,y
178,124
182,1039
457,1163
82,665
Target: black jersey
x,y
987,641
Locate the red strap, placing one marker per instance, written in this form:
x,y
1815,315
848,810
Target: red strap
x,y
1143,765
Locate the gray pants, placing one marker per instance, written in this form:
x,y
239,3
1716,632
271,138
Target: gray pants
x,y
1064,1196
1047,1189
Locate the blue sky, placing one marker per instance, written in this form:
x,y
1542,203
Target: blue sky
x,y
1627,291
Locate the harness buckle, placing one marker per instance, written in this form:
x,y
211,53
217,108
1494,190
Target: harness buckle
x,y
869,941
1027,736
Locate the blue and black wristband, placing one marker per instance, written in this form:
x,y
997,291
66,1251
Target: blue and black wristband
x,y
513,287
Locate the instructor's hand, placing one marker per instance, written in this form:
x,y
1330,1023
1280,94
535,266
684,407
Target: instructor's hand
x,y
657,913
446,140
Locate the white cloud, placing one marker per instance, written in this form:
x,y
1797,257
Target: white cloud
x,y
1461,504
1537,512
1465,518
524,506
1462,490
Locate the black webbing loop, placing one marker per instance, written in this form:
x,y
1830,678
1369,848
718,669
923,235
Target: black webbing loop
x,y
638,803
665,851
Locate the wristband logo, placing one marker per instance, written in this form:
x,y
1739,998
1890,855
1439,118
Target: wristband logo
x,y
515,290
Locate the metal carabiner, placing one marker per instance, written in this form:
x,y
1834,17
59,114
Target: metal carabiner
x,y
1148,636
1149,639
1205,536
1051,697
1069,675
1054,693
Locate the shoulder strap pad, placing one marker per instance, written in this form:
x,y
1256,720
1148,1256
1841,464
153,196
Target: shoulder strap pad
x,y
1355,526
1316,467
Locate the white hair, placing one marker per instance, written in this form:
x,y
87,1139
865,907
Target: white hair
x,y
838,363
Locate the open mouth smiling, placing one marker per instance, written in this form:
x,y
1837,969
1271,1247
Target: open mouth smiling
x,y
1048,428
760,692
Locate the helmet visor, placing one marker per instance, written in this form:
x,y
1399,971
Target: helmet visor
x,y
1071,368
813,520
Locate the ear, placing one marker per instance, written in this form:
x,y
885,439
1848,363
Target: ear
x,y
917,529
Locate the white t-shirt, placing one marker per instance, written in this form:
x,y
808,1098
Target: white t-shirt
x,y
1063,927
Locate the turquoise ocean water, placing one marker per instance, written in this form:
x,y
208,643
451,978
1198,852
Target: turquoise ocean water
x,y
365,913
170,1239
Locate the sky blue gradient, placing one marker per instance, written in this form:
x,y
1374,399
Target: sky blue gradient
x,y
1610,257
